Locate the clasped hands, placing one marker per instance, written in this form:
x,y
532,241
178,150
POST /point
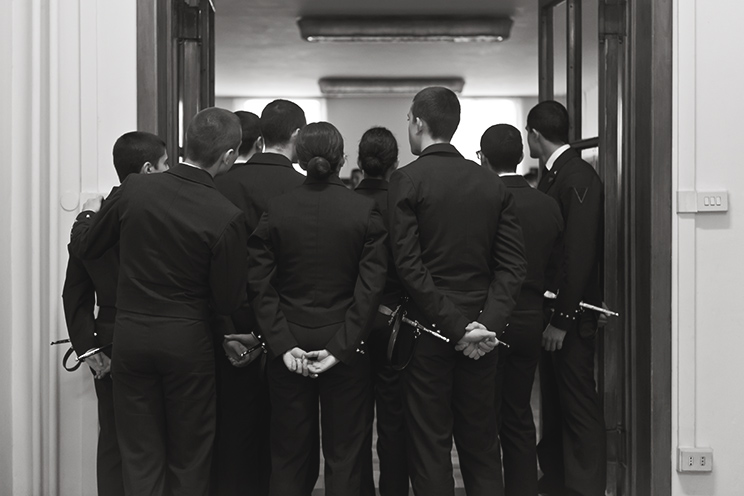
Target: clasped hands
x,y
236,347
477,341
308,363
100,364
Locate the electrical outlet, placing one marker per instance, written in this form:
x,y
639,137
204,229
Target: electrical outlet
x,y
695,459
699,201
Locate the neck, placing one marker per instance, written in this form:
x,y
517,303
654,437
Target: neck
x,y
285,149
212,171
548,149
427,141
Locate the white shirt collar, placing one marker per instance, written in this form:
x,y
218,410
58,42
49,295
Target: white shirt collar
x,y
191,165
504,174
551,161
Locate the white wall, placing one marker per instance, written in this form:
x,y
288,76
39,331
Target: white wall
x,y
71,92
708,407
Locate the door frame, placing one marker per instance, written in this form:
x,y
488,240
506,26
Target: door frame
x,y
636,79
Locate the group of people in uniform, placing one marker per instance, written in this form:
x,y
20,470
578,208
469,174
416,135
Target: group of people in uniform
x,y
255,312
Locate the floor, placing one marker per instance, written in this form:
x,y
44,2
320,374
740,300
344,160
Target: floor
x,y
459,487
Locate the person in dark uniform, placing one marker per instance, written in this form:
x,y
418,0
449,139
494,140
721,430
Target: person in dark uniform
x,y
252,142
242,464
501,151
93,282
378,158
317,268
459,253
572,449
183,257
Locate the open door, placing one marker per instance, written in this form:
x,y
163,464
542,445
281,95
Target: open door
x,y
602,112
175,67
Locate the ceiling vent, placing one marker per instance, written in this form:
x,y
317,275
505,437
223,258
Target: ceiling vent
x,y
366,29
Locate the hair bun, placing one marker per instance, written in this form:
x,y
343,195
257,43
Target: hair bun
x,y
319,168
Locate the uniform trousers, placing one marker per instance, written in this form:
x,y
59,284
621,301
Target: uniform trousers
x,y
241,463
108,459
572,451
391,430
163,372
446,393
514,381
345,421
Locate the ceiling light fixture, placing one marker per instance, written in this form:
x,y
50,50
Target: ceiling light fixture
x,y
339,87
405,29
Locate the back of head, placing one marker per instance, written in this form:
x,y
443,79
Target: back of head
x,y
212,132
550,119
251,130
320,149
378,151
133,150
502,146
440,109
279,120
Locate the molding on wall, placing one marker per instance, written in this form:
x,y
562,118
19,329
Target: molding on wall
x,y
684,284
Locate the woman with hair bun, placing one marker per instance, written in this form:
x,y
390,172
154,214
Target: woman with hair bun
x,y
317,267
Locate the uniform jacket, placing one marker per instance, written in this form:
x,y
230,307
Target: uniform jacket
x,y
87,284
250,186
542,224
456,241
317,267
377,189
182,244
576,187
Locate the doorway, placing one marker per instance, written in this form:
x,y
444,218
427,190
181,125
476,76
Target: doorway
x,y
623,126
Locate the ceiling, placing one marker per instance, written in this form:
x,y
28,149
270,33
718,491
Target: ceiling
x,y
259,52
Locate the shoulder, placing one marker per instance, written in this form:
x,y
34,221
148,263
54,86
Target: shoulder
x,y
578,167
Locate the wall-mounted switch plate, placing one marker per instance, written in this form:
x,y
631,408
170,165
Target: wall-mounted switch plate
x,y
694,459
702,201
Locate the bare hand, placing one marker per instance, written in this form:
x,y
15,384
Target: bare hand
x,y
477,341
320,361
93,204
295,361
553,338
100,364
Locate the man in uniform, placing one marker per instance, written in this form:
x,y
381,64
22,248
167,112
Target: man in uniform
x,y
93,282
501,151
459,253
183,258
243,409
572,449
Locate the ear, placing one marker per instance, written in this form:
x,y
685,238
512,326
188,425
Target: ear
x,y
229,155
295,133
147,168
259,144
484,162
420,125
395,165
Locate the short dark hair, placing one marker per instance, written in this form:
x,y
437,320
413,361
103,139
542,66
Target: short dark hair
x,y
279,120
251,130
320,149
440,109
378,151
132,150
550,118
502,146
211,133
